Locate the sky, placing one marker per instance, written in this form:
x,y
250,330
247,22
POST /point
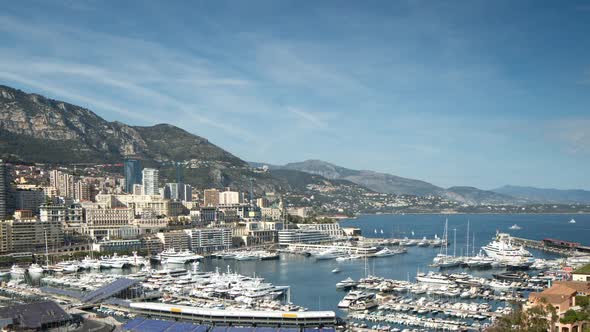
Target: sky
x,y
478,93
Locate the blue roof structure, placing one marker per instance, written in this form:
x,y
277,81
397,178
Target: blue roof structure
x,y
154,325
109,290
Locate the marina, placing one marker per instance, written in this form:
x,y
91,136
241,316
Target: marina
x,y
363,283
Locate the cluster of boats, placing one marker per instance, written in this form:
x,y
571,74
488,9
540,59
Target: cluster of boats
x,y
171,256
249,255
342,255
72,266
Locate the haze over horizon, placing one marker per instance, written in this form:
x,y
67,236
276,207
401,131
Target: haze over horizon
x,y
463,93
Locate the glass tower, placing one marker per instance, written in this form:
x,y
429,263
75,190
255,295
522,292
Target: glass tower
x,y
132,170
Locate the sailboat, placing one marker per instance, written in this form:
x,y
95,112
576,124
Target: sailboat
x,y
443,259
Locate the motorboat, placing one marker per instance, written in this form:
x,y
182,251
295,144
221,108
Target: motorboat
x,y
386,252
171,256
35,269
347,283
433,278
502,249
515,227
16,271
423,243
327,254
572,221
336,270
352,296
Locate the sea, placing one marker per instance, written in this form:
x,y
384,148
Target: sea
x,y
312,283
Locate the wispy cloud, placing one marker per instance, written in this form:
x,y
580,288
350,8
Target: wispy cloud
x,y
308,119
573,132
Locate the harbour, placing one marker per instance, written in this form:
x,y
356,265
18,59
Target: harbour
x,y
407,290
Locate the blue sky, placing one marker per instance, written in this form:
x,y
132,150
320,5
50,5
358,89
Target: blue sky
x,y
480,93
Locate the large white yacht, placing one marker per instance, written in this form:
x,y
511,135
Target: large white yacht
x,y
502,249
172,256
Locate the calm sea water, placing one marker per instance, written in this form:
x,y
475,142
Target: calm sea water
x,y
313,284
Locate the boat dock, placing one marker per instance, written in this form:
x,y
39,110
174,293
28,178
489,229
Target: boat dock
x,y
541,245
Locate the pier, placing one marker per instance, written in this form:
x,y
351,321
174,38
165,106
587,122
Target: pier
x,y
541,245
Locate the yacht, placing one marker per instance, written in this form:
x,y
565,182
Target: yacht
x,y
347,283
515,227
433,278
327,254
351,297
424,242
502,249
572,221
172,256
364,303
17,271
35,269
336,270
386,252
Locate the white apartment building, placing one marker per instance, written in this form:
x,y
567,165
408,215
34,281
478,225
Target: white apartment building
x,y
332,229
230,198
204,240
151,181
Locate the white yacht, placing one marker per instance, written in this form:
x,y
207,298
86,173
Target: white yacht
x,y
172,256
502,249
331,253
35,269
347,283
515,227
17,271
433,278
572,221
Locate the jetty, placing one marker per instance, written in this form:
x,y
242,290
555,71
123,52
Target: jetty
x,y
565,248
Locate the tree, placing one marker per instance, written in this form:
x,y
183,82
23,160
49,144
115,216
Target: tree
x,y
534,319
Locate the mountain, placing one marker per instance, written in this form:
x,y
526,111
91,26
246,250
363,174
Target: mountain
x,y
392,184
474,196
39,129
543,195
379,182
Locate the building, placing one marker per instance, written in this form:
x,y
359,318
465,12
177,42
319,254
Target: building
x,y
562,296
6,192
62,182
231,198
582,274
262,202
271,213
137,189
178,191
110,222
151,181
30,200
205,240
332,229
302,212
82,191
139,203
40,316
30,235
177,240
302,236
210,197
132,173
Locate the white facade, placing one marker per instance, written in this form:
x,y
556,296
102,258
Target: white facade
x,y
230,198
209,239
151,181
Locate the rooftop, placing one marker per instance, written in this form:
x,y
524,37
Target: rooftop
x,y
35,315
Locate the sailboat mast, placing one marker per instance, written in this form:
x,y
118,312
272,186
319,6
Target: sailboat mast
x,y
454,242
467,251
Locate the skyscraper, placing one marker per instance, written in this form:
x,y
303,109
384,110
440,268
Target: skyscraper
x,y
6,194
132,172
151,181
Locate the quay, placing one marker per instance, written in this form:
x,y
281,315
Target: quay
x,y
564,248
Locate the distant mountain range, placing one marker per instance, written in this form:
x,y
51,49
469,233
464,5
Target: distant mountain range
x,y
392,184
543,195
